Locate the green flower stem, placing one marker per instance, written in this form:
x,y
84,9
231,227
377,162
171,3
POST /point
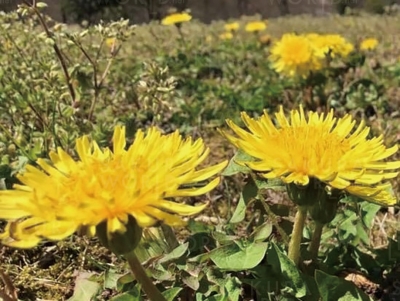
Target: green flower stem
x,y
297,234
181,35
316,240
149,288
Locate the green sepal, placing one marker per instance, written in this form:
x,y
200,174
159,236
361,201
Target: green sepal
x,y
120,243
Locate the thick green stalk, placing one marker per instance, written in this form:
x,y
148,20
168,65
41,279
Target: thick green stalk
x,y
297,234
138,271
316,240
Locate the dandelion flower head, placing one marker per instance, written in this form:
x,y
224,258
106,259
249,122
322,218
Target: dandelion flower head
x,y
294,55
256,26
176,18
332,44
369,44
322,147
234,26
57,198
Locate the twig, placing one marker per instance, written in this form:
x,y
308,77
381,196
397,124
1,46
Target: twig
x,y
56,49
98,85
9,293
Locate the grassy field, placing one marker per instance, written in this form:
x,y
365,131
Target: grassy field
x,y
70,81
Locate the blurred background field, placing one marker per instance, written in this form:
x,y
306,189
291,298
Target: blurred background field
x,y
58,85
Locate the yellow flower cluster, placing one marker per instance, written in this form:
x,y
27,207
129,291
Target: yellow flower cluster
x,y
298,55
253,26
230,28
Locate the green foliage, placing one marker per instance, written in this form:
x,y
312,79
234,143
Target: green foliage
x,y
68,82
333,288
287,273
352,223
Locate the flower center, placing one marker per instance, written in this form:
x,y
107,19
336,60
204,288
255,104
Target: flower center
x,y
296,52
316,149
108,187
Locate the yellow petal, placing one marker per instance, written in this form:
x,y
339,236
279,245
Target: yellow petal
x,y
20,244
208,172
115,225
196,191
143,219
181,209
169,219
119,140
56,230
339,183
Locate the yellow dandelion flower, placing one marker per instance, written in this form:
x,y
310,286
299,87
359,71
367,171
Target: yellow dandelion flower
x,y
319,42
295,55
369,44
339,45
176,18
234,26
226,36
332,44
256,26
106,185
319,147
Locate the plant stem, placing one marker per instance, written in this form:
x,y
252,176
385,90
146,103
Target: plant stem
x,y
297,234
182,37
274,219
316,240
138,271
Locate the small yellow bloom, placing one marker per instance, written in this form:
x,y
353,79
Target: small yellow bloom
x,y
256,26
110,42
319,147
369,44
226,36
234,26
338,45
176,18
107,187
294,55
332,44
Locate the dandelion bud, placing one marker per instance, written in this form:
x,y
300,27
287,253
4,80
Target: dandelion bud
x,y
117,242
